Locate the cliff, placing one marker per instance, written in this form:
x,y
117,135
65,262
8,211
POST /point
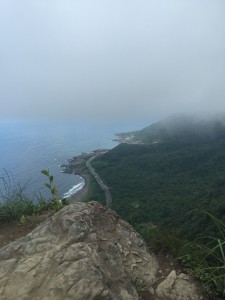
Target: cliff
x,y
86,251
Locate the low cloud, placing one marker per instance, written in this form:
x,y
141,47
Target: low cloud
x,y
111,59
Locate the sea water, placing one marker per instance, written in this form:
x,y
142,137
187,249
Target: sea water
x,y
27,147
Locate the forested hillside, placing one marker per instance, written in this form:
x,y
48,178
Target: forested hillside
x,y
167,182
183,129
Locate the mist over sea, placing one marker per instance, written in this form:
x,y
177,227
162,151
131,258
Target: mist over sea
x,y
27,147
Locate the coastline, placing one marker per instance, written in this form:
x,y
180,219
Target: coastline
x,y
76,166
79,196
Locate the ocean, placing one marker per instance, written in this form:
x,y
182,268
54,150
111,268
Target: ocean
x,y
27,147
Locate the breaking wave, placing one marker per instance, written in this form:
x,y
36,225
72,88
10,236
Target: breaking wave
x,y
76,188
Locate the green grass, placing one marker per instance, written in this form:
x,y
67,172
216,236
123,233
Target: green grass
x,y
213,262
203,258
160,240
14,209
14,202
16,205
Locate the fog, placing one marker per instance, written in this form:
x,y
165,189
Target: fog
x,y
111,58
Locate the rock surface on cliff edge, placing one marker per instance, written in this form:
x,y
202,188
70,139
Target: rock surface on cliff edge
x,y
86,251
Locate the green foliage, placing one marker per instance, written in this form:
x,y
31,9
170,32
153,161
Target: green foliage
x,y
22,219
213,262
160,239
45,172
203,258
65,201
140,287
94,191
164,184
183,129
15,205
55,201
15,208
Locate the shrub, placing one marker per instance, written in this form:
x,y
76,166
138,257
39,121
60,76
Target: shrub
x,y
55,202
13,203
205,258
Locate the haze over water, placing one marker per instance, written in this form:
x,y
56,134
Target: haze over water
x,y
27,147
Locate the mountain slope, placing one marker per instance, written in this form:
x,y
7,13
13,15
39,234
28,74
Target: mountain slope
x,y
165,183
188,129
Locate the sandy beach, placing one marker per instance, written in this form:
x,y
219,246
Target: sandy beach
x,y
75,166
79,196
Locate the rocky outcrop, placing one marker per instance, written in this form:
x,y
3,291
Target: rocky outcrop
x,y
86,251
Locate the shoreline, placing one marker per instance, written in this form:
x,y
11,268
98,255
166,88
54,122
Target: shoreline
x,y
75,166
79,195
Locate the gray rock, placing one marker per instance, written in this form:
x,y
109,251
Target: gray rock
x,y
179,287
85,251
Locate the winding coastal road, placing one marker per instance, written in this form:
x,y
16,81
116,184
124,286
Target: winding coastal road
x,y
108,197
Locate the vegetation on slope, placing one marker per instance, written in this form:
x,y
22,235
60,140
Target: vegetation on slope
x,y
183,129
165,183
162,186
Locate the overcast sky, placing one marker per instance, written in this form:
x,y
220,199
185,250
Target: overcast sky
x,y
111,58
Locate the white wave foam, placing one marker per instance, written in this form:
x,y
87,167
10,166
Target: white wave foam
x,y
74,189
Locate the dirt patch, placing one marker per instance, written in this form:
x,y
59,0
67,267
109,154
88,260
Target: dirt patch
x,y
168,263
11,231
